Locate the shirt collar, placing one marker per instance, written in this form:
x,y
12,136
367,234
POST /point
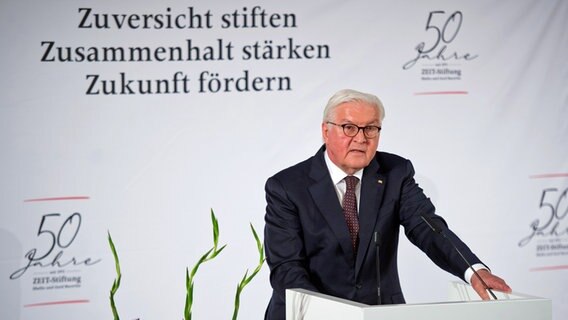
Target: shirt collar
x,y
336,173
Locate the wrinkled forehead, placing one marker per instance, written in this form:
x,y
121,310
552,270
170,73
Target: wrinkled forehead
x,y
356,111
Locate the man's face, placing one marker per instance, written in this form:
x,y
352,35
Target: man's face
x,y
351,153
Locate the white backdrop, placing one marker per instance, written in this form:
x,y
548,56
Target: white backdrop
x,y
482,115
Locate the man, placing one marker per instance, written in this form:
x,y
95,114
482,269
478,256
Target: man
x,y
320,221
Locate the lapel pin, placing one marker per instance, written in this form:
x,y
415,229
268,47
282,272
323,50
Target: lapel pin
x,y
380,181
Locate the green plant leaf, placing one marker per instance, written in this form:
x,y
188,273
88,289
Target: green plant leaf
x,y
209,255
203,258
116,282
215,223
246,278
216,253
259,245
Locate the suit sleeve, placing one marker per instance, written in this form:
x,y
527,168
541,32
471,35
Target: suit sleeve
x,y
284,243
414,204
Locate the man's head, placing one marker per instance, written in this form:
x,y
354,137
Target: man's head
x,y
348,145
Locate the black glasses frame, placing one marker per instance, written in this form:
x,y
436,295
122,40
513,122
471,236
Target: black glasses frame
x,y
365,129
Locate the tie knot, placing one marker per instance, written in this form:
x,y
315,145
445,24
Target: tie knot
x,y
351,182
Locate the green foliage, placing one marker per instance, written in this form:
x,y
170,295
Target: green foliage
x,y
116,282
209,255
189,276
245,280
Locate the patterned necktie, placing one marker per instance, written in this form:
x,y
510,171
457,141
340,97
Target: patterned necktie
x,y
350,210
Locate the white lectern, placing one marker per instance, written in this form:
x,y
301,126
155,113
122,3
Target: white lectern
x,y
464,304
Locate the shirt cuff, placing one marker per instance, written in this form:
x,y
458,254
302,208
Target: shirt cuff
x,y
469,273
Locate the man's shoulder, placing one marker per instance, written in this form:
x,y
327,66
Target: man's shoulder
x,y
392,163
386,158
301,169
304,172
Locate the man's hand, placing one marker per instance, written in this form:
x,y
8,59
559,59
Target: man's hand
x,y
492,281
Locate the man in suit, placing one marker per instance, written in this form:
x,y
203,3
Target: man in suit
x,y
320,221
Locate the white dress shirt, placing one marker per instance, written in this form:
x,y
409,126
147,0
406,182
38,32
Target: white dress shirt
x,y
337,176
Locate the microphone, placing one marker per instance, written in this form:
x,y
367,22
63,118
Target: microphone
x,y
377,261
437,229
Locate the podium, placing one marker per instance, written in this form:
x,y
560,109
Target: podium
x,y
463,304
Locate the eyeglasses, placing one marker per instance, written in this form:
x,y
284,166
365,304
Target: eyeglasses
x,y
352,130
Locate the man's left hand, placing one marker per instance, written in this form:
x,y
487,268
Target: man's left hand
x,y
492,281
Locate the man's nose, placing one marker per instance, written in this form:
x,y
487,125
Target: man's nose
x,y
360,136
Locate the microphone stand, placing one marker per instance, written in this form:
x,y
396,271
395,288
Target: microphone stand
x,y
377,261
439,230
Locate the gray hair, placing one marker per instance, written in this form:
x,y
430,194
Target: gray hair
x,y
348,95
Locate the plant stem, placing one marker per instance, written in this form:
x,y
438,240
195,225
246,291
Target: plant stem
x,y
245,280
116,282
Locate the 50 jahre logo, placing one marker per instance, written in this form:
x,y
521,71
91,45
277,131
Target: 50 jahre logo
x,y
57,233
435,56
550,229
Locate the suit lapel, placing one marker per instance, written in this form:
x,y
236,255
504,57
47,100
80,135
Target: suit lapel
x,y
324,196
372,189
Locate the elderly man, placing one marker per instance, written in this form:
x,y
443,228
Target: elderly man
x,y
322,213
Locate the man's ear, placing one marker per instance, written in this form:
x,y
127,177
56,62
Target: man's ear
x,y
324,131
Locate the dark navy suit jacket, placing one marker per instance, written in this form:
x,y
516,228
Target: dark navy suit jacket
x,y
307,241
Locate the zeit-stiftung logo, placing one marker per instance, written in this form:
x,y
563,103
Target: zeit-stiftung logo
x,y
550,228
56,233
436,56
